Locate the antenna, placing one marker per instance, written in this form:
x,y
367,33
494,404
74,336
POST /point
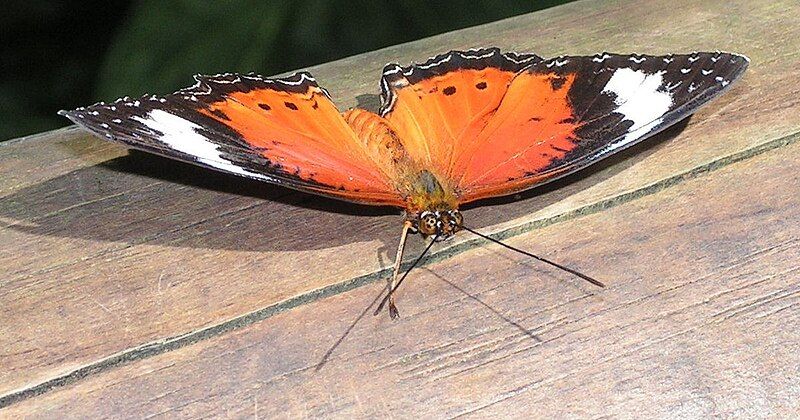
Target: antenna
x,y
544,260
394,314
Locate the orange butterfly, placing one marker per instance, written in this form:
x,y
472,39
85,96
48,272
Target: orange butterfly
x,y
463,126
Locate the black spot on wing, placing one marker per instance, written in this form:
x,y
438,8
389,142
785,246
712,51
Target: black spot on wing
x,y
557,83
395,75
449,90
481,85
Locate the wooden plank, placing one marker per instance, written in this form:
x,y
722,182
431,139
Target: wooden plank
x,y
104,261
700,319
35,159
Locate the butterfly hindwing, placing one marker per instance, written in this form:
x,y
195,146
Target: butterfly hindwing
x,y
438,106
284,131
562,114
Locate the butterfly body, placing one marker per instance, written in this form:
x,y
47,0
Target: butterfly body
x,y
460,127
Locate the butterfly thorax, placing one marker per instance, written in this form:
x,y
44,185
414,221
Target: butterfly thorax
x,y
426,192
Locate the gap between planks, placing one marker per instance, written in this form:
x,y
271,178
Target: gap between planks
x,y
175,342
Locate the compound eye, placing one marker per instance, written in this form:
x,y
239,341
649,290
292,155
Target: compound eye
x,y
456,218
428,225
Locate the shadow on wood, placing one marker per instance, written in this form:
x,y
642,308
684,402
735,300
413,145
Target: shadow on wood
x,y
143,188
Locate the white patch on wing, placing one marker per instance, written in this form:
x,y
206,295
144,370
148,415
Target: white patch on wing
x,y
182,135
639,100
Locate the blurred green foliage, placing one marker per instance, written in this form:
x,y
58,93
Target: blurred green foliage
x,y
75,53
49,55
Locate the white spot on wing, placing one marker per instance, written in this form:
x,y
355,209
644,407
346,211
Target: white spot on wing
x,y
392,70
639,99
182,135
435,63
601,58
304,77
509,57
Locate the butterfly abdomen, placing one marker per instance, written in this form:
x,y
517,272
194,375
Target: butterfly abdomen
x,y
381,140
423,189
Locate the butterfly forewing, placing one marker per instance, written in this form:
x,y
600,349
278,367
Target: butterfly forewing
x,y
562,114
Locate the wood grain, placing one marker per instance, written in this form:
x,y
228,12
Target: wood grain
x,y
700,319
107,257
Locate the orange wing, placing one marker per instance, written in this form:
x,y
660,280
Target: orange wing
x,y
491,124
563,114
285,131
533,125
439,107
462,126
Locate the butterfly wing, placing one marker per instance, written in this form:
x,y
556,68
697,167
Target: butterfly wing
x,y
565,113
285,131
439,106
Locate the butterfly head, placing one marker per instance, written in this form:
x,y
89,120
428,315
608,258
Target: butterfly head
x,y
441,223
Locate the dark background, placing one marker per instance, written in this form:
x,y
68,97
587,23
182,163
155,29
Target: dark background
x,y
64,54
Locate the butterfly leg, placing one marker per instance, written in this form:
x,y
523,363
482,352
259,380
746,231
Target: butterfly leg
x,y
393,312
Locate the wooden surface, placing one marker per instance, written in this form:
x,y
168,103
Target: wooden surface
x,y
131,286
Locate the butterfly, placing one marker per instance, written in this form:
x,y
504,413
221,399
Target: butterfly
x,y
460,127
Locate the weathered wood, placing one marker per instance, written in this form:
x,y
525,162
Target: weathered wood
x,y
105,257
700,319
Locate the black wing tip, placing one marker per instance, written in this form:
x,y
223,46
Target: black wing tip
x,y
741,56
74,114
742,60
71,116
